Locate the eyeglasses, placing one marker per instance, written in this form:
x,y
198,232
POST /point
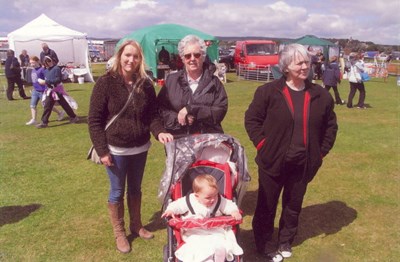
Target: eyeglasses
x,y
188,56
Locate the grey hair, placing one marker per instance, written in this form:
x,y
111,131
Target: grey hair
x,y
191,39
288,54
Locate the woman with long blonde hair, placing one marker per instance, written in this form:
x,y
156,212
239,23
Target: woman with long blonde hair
x,y
124,145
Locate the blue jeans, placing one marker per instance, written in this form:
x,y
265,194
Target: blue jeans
x,y
126,170
35,98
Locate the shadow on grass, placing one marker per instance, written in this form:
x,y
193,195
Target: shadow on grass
x,y
156,222
316,220
65,121
13,214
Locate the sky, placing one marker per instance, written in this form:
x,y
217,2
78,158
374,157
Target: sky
x,y
364,20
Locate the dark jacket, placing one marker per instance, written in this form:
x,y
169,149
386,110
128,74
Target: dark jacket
x,y
12,67
51,54
52,76
269,124
208,104
24,60
133,127
331,75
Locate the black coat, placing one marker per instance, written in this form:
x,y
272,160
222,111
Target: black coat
x,y
12,67
269,124
208,104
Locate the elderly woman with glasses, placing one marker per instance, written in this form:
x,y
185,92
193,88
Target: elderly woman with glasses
x,y
292,124
193,100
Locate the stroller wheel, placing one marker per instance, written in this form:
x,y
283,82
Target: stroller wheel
x,y
167,257
165,253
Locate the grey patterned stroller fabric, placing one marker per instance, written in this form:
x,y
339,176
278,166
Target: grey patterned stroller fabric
x,y
220,148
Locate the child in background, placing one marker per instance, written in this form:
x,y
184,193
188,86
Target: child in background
x,y
38,89
215,244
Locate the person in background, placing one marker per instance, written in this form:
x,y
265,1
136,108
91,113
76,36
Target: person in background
x,y
356,83
193,100
24,59
163,56
319,64
214,244
331,78
314,61
123,147
54,92
292,124
38,90
48,52
163,59
13,75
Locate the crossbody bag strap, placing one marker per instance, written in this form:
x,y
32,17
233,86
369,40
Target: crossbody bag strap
x,y
120,112
124,108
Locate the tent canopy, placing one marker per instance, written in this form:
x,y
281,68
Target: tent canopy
x,y
329,48
71,46
168,35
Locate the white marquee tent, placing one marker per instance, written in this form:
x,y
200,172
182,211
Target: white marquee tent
x,y
70,45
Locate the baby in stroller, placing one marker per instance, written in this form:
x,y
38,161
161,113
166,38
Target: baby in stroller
x,y
209,243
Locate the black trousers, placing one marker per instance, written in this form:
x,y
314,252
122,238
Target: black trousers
x,y
338,100
353,88
49,104
11,81
294,187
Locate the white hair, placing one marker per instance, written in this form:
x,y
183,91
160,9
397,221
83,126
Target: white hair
x,y
191,39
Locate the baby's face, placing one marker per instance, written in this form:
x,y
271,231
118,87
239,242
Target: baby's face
x,y
207,196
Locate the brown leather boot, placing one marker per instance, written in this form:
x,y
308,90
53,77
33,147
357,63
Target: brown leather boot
x,y
135,226
116,211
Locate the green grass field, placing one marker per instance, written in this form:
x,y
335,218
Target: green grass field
x,y
53,201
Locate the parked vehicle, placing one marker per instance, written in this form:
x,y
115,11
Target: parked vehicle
x,y
254,58
226,57
95,56
3,55
256,52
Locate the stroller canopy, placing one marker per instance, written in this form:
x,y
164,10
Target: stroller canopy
x,y
183,152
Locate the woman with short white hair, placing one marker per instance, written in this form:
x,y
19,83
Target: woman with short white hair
x,y
292,124
193,100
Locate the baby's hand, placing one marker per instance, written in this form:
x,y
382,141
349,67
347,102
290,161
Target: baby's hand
x,y
236,215
168,213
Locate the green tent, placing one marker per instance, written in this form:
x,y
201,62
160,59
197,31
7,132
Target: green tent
x,y
168,35
310,40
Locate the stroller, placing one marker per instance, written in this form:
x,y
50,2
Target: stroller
x,y
219,155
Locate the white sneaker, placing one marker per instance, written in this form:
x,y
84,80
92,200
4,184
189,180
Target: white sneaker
x,y
274,257
31,122
61,116
285,250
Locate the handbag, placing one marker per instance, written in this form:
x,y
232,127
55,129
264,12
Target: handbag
x,y
92,154
365,77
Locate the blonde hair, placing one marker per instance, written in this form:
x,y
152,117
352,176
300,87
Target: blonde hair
x,y
205,179
116,67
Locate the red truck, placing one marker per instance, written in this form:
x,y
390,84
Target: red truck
x,y
255,55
